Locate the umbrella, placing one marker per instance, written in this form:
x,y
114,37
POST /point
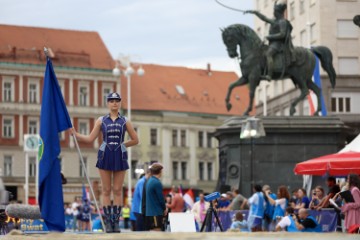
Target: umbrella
x,y
337,164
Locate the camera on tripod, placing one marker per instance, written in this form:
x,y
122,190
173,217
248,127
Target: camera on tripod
x,y
212,196
208,221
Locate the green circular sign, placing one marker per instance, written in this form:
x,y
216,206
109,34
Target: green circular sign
x,y
41,148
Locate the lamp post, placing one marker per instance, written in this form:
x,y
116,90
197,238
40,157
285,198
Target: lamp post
x,y
252,128
125,63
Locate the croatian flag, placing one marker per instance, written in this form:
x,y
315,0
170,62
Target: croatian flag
x,y
312,97
189,198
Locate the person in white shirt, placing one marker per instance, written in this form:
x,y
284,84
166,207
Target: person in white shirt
x,y
199,209
287,223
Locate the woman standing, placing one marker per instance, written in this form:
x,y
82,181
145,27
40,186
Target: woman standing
x,y
352,210
280,203
112,157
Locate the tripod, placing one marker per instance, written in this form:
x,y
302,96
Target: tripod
x,y
208,219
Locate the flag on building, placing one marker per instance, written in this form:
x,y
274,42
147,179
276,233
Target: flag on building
x,y
54,118
312,97
189,198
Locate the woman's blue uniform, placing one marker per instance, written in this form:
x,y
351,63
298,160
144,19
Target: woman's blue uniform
x,y
112,154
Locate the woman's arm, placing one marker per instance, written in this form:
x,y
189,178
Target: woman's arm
x,y
92,136
134,140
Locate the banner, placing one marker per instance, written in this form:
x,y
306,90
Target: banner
x,y
327,218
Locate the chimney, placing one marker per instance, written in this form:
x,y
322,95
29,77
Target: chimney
x,y
209,69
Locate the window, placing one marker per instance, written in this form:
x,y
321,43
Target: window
x,y
32,166
183,170
201,171
7,165
209,142
303,39
302,6
183,138
347,29
8,128
83,97
175,138
60,162
210,170
348,65
175,170
83,128
153,137
33,93
134,164
82,170
106,92
33,127
292,11
312,32
201,139
7,92
341,104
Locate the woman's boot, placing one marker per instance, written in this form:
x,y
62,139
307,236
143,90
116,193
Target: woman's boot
x,y
108,220
115,217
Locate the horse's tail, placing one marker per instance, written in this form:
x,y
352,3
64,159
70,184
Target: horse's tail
x,y
325,56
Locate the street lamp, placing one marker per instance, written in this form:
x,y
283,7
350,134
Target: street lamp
x,y
125,63
252,128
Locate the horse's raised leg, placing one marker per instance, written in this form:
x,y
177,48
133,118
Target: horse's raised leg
x,y
254,82
304,92
311,85
241,81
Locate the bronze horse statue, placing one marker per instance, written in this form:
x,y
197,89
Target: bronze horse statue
x,y
253,65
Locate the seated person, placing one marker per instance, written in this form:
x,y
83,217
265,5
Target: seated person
x,y
306,223
287,223
239,223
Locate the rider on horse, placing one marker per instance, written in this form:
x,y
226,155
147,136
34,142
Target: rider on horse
x,y
279,38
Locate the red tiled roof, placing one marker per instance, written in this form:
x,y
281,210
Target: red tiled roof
x,y
71,48
203,93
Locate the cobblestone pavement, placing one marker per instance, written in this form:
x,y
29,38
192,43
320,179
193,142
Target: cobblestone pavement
x,y
17,235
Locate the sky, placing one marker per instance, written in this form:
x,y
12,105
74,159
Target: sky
x,y
167,32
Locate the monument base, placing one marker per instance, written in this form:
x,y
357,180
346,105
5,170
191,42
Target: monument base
x,y
271,159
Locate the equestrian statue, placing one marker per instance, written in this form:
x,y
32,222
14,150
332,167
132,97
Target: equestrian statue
x,y
276,61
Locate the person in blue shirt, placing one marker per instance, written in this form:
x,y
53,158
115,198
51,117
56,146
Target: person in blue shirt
x,y
307,223
239,223
269,209
136,207
155,201
257,207
287,223
303,201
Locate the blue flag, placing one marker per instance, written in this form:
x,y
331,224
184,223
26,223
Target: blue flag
x,y
54,118
317,81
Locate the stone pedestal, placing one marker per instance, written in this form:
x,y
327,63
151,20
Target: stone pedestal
x,y
271,159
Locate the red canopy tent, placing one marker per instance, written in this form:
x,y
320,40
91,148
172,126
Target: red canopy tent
x,y
337,164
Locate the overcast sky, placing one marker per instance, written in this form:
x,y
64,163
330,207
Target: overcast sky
x,y
167,32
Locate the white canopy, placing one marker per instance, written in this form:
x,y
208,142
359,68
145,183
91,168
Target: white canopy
x,y
354,146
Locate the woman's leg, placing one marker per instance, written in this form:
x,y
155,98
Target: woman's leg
x,y
117,187
106,186
118,201
106,192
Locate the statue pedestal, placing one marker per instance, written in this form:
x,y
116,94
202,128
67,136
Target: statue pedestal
x,y
271,159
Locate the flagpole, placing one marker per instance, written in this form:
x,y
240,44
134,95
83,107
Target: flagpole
x,y
87,177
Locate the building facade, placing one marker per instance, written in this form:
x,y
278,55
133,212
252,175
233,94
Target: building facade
x,y
174,110
318,22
